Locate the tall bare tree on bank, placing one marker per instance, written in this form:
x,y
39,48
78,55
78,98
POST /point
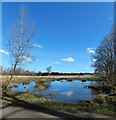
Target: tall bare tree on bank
x,y
49,69
19,42
105,64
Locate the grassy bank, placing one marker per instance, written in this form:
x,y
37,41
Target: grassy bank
x,y
97,106
103,104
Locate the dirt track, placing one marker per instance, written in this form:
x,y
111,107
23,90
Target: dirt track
x,y
22,112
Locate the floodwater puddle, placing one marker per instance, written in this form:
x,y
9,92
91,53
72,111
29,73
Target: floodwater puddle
x,y
61,91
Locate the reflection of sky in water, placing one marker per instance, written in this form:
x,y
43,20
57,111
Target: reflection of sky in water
x,y
20,88
32,86
68,92
23,88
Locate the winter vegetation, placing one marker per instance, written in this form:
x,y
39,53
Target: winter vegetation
x,y
103,63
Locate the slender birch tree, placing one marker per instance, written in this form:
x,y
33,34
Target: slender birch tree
x,y
19,42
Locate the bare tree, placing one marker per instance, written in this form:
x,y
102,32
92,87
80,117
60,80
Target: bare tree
x,y
1,70
105,64
49,69
19,42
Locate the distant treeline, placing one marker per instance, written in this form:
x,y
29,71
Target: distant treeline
x,y
20,71
60,73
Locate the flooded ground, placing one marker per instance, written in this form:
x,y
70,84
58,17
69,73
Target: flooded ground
x,y
63,90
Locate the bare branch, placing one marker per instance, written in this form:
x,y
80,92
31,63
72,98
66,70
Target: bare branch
x,y
19,41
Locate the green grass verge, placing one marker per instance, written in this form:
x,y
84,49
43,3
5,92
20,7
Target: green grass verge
x,y
86,106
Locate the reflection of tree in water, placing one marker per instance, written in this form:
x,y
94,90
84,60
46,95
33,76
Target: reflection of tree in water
x,y
93,92
93,83
96,84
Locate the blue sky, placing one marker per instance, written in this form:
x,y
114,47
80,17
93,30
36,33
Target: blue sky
x,y
66,33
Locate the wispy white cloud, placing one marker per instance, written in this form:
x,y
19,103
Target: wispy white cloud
x,y
109,18
87,68
4,52
94,59
56,63
91,63
69,59
26,59
91,50
37,45
93,68
37,60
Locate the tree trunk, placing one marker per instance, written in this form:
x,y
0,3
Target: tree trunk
x,y
11,75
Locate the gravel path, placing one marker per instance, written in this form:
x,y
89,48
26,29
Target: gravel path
x,y
21,112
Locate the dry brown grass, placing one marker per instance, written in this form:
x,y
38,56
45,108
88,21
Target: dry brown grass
x,y
44,78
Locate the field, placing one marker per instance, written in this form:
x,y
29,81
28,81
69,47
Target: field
x,y
15,78
103,104
19,79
